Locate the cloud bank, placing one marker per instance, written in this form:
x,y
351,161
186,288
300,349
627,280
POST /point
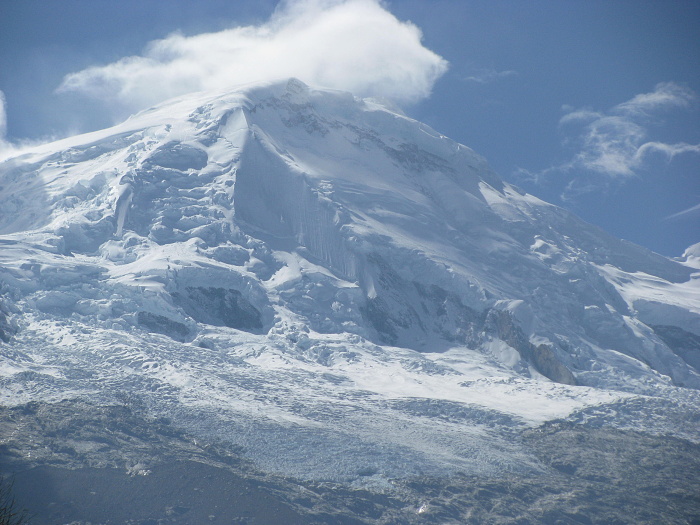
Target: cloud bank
x,y
353,45
615,146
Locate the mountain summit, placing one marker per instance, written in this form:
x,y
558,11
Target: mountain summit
x,y
278,267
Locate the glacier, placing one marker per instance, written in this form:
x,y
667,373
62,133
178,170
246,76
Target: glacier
x,y
330,290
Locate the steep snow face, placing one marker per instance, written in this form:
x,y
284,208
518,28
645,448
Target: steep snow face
x,y
219,248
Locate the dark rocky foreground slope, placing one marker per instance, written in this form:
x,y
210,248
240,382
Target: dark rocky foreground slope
x,y
78,463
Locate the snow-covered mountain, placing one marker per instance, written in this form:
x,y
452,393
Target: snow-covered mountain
x,y
335,289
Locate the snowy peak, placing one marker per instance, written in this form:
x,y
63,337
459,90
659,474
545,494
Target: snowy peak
x,y
277,206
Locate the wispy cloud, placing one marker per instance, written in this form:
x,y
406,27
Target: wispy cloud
x,y
614,146
688,212
12,148
666,95
354,45
3,117
487,76
6,149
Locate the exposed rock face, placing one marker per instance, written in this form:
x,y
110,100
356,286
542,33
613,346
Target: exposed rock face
x,y
542,357
162,325
7,327
219,307
684,344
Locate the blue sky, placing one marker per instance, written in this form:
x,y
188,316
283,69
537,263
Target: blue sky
x,y
591,105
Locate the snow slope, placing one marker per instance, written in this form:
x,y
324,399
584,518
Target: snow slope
x,y
337,288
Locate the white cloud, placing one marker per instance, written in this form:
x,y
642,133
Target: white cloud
x,y
487,76
3,117
666,95
609,144
13,148
579,115
692,211
615,146
670,150
6,149
353,45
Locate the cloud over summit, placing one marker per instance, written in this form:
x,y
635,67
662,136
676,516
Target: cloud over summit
x,y
353,45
